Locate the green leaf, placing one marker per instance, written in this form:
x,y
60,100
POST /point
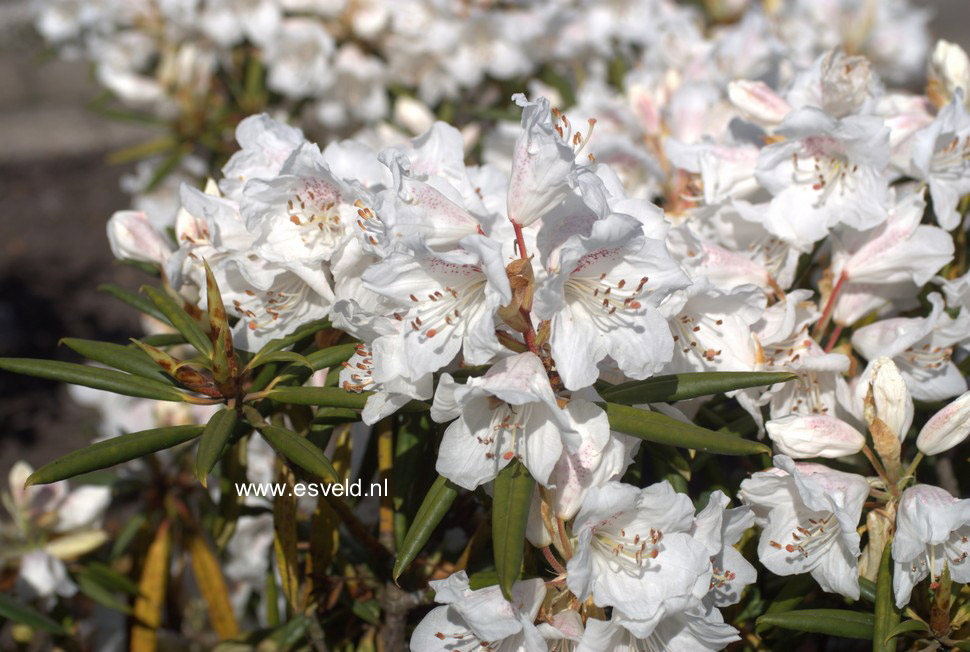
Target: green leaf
x,y
511,500
181,320
332,397
163,339
110,578
214,438
280,356
906,627
299,451
834,622
113,451
106,379
118,356
433,508
101,594
224,362
867,590
331,356
301,333
886,616
679,387
137,302
18,612
661,429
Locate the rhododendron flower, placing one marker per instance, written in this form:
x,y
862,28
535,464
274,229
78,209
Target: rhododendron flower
x,y
947,428
471,620
809,514
932,530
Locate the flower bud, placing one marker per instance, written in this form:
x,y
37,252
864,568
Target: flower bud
x,y
522,282
949,70
758,102
947,428
887,397
131,236
814,435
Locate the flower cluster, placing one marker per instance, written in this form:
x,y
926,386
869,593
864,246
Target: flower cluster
x,y
755,198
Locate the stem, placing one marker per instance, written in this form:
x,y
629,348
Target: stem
x,y
833,338
547,553
520,240
911,469
567,547
830,304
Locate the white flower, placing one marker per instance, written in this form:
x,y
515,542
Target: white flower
x,y
718,529
699,629
809,514
472,621
635,552
816,435
448,301
941,157
921,347
892,401
298,58
828,172
932,529
887,261
947,428
264,146
603,292
543,164
509,413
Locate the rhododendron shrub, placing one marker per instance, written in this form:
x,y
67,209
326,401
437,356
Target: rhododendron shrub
x,y
675,363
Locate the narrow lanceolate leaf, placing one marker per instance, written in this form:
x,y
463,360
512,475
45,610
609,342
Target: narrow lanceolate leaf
x,y
510,514
101,594
181,320
285,540
299,451
301,333
113,451
118,356
152,586
133,300
107,379
434,507
214,438
886,616
179,370
212,585
906,627
834,622
280,356
224,366
679,387
661,429
331,356
16,611
332,397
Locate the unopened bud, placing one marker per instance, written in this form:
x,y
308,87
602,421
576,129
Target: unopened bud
x,y
132,237
887,397
758,102
947,428
949,70
814,435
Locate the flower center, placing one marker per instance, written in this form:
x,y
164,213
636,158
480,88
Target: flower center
x,y
952,159
629,549
824,169
260,309
807,540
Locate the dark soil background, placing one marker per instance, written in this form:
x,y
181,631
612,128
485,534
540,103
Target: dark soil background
x,y
56,193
